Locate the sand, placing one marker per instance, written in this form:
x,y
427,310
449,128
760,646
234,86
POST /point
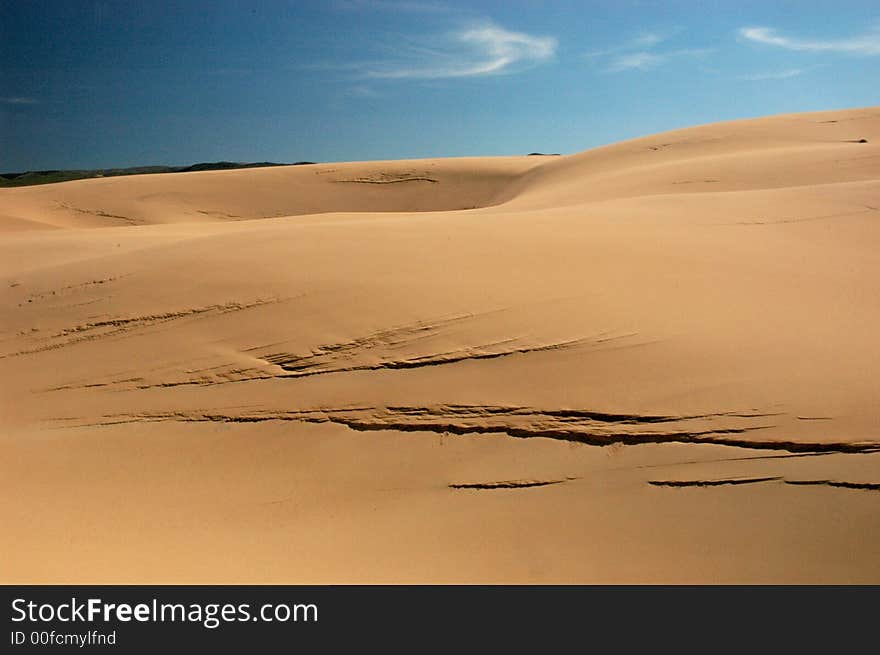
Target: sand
x,y
651,362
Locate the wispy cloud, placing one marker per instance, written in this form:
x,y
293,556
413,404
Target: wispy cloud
x,y
643,61
481,49
772,75
641,41
636,61
639,53
19,100
865,44
647,40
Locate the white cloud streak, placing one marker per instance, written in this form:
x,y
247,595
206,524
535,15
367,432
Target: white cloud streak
x,y
649,39
773,75
643,61
636,61
639,53
865,44
643,41
479,50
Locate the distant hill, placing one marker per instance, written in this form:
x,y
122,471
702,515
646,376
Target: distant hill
x,y
51,176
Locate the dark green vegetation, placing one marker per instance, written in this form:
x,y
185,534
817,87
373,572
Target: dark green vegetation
x,y
48,177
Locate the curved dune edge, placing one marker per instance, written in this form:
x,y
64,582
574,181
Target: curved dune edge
x,y
654,361
794,150
264,193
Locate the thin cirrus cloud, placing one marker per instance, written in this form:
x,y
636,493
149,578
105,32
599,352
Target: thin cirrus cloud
x,y
635,61
649,39
643,41
865,44
478,50
643,61
773,75
639,53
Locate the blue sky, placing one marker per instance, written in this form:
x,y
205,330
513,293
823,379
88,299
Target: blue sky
x,y
89,84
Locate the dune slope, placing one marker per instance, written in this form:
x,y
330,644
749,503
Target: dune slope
x,y
654,361
253,193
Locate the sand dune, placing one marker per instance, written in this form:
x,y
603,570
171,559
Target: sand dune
x,y
222,196
654,361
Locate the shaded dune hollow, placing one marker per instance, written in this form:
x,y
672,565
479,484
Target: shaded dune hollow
x,y
651,361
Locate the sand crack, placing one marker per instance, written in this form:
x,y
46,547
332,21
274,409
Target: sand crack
x,y
572,425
